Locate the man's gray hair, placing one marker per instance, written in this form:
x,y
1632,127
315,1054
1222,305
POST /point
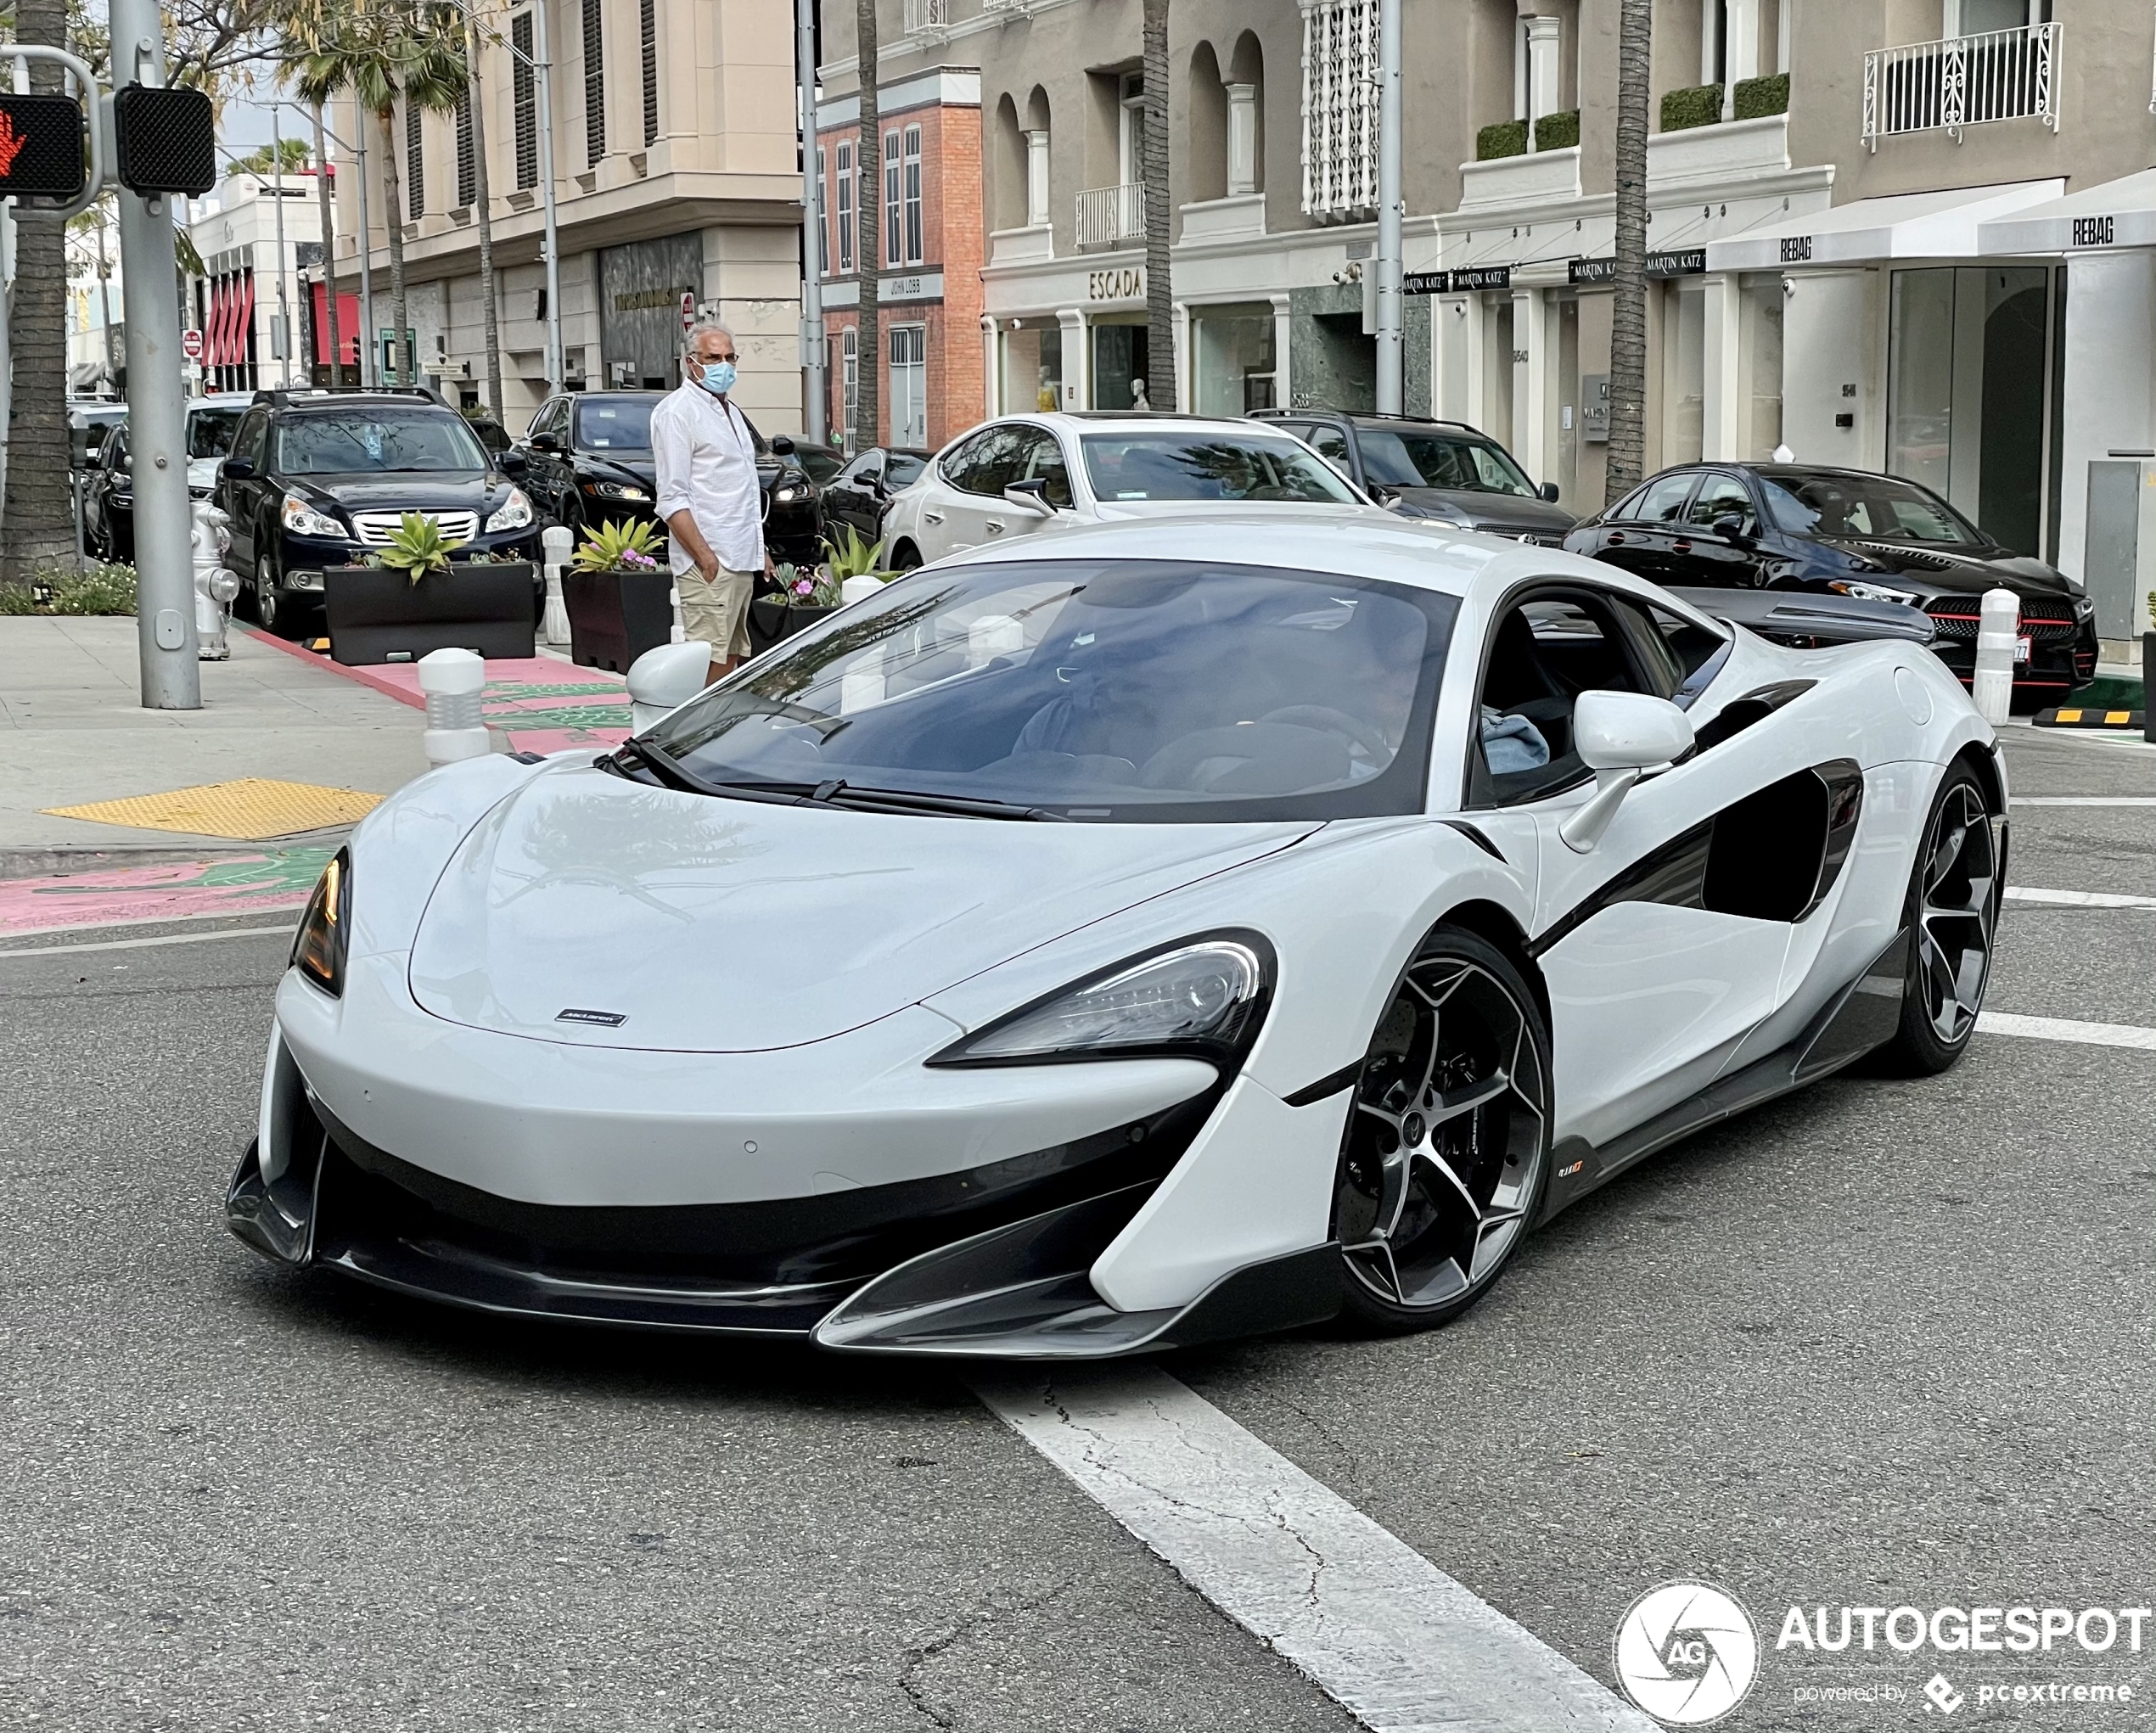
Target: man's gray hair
x,y
706,327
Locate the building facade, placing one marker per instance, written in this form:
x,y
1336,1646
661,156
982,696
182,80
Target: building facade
x,y
249,300
675,174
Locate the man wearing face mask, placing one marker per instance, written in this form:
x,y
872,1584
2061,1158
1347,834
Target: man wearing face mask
x,y
705,454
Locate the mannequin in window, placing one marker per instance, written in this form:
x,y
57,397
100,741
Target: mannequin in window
x,y
1140,404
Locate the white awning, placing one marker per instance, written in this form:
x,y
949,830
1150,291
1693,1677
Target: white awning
x,y
2119,213
1905,225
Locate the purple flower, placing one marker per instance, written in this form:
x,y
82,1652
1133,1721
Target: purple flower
x,y
804,587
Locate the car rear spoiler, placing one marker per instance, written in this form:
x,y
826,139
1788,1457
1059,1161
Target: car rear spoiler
x,y
1806,619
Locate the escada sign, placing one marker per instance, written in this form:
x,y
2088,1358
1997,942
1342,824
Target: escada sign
x,y
1126,283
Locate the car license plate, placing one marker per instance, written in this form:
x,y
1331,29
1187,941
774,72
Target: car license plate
x,y
2021,648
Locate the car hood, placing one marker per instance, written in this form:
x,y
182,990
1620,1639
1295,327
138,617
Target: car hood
x,y
1964,573
419,491
1494,514
709,925
640,470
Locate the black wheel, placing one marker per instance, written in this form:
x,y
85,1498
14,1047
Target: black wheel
x,y
1955,891
1446,1152
272,611
905,557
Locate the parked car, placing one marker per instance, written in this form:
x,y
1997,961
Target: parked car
x,y
1848,532
820,462
108,488
1445,471
1060,469
588,462
316,478
861,493
89,419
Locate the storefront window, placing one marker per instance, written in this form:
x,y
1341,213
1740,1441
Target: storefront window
x,y
1760,334
1684,372
1920,388
1032,366
1119,361
1235,358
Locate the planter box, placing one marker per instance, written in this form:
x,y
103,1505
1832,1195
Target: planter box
x,y
614,617
378,615
771,621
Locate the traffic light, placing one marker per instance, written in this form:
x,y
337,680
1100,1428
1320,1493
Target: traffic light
x,y
164,140
41,147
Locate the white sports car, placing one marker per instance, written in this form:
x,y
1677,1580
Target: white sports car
x,y
1123,939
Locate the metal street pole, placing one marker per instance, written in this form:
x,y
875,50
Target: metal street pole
x,y
277,183
1391,338
371,346
164,549
543,65
812,355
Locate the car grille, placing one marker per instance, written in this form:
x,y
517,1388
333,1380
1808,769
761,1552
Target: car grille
x,y
2043,620
1534,538
377,528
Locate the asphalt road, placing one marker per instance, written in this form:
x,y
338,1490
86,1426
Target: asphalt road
x,y
1883,1342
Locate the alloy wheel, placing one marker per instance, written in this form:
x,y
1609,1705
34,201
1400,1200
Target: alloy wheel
x,y
1446,1140
1957,905
265,594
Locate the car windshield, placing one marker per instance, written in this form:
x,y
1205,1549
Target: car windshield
x,y
356,442
1208,466
1125,691
1417,459
820,462
1876,508
209,431
616,423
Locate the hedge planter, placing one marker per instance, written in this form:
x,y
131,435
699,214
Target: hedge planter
x,y
376,614
771,622
614,617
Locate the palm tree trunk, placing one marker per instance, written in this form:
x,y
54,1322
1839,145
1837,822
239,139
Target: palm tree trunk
x,y
393,188
1627,448
329,203
869,211
483,205
1160,288
39,513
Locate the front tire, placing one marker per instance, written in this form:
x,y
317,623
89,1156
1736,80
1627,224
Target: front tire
x,y
1446,1156
272,612
1952,919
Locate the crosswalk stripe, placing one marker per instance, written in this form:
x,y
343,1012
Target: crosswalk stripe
x,y
2065,1028
2078,899
2083,800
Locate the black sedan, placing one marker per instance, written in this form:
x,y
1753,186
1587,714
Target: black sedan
x,y
1847,531
589,463
109,488
861,493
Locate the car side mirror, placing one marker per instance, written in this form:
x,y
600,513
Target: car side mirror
x,y
513,463
1548,490
236,469
1619,735
544,442
1731,527
782,446
1032,493
665,678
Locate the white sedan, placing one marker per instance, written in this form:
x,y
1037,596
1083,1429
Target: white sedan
x,y
1120,940
1010,478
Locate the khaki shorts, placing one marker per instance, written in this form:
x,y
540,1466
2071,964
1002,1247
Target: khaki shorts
x,y
715,611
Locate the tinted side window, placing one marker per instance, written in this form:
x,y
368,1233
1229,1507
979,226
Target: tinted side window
x,y
957,467
1725,495
1329,442
1044,462
998,459
1660,501
902,471
254,434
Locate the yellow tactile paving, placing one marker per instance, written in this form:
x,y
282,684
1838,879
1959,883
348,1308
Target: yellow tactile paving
x,y
251,810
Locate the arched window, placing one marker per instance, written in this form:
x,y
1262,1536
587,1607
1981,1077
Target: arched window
x,y
1207,155
1244,90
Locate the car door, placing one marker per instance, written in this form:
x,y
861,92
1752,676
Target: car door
x,y
242,498
1643,541
1329,440
974,510
1714,554
854,497
548,470
1651,988
109,475
937,527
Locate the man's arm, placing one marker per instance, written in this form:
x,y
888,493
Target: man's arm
x,y
672,448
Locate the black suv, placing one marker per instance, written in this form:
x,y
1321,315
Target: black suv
x,y
317,478
1789,526
1443,470
588,462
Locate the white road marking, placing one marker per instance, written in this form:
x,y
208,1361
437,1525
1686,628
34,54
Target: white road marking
x,y
1384,1632
2065,1028
284,933
2079,899
2083,800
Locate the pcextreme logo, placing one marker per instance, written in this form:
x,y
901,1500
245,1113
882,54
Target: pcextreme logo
x,y
1686,1653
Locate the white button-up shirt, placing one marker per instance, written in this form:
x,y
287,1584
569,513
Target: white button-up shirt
x,y
706,461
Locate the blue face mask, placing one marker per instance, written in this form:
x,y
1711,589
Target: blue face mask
x,y
718,378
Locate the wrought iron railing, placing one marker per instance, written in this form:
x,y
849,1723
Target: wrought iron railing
x,y
1109,215
2002,75
927,15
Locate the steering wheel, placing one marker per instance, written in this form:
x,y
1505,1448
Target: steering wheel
x,y
1332,721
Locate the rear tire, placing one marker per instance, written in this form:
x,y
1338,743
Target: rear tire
x,y
905,557
1952,919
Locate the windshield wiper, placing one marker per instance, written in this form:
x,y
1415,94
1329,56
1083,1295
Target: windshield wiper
x,y
670,770
914,801
837,792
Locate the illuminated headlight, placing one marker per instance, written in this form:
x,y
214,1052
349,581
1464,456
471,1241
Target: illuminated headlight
x,y
325,930
795,490
515,513
301,518
615,490
1874,592
1202,997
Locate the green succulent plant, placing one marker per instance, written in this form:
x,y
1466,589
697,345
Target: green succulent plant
x,y
418,547
619,547
853,557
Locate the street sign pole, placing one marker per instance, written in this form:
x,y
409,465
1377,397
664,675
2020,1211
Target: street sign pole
x,y
818,393
171,677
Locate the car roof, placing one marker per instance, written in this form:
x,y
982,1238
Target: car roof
x,y
1371,417
1127,421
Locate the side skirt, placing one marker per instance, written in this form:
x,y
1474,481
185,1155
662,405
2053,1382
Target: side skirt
x,y
1863,1016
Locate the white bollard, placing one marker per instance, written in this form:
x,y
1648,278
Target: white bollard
x,y
454,680
1998,626
559,543
859,589
665,678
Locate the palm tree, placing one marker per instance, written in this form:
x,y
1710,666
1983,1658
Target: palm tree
x,y
869,208
1160,290
328,206
1627,449
483,207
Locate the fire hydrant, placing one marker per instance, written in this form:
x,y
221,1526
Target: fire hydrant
x,y
215,586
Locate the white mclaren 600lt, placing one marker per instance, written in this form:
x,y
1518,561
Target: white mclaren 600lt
x,y
1170,931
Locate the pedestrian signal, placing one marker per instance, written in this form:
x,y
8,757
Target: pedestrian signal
x,y
163,140
41,147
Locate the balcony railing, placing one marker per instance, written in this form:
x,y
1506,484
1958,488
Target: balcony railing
x,y
927,15
1109,215
2003,75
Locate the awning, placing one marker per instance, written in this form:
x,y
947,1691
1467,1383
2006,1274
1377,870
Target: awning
x,y
2119,213
1905,225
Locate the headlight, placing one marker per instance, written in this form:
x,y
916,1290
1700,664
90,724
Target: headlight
x,y
615,490
325,930
1202,997
303,519
1874,592
795,490
515,513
